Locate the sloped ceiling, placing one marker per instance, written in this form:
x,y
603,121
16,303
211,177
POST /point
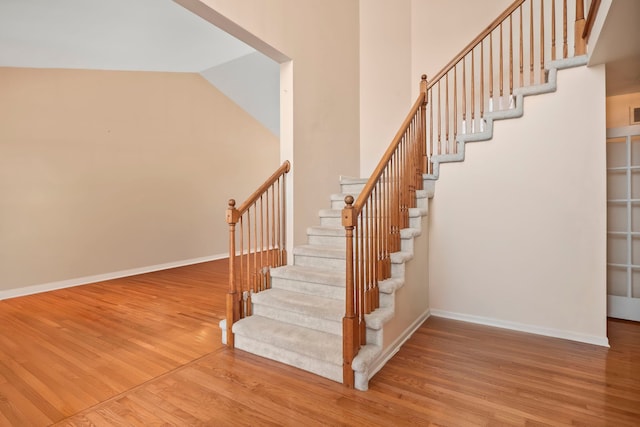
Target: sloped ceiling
x,y
138,35
145,35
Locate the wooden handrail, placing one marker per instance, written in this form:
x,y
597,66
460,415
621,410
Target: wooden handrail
x,y
284,168
591,19
464,52
382,164
260,221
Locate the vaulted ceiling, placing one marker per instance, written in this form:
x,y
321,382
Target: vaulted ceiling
x,y
146,35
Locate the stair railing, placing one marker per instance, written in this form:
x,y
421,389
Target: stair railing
x,y
512,52
373,223
256,244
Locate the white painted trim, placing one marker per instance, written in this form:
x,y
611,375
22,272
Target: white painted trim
x,y
531,329
392,349
627,308
52,286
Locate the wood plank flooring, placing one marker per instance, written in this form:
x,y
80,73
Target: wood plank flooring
x,y
146,351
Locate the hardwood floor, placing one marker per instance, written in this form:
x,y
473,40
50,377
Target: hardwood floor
x,y
146,351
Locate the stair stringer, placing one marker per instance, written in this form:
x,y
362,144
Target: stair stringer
x,y
410,307
519,94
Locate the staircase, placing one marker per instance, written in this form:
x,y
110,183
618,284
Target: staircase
x,y
299,320
298,315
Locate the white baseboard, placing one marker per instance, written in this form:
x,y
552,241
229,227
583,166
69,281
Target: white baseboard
x,y
538,330
52,286
395,346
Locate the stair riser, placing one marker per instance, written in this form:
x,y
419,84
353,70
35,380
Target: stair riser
x,y
422,203
397,270
325,325
334,241
318,289
311,261
338,204
415,222
386,300
374,336
353,189
329,221
310,364
406,245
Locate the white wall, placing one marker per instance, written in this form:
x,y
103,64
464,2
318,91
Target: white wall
x,y
109,173
321,40
399,41
440,29
385,76
518,230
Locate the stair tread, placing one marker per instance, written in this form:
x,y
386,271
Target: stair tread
x,y
326,230
297,302
330,213
353,180
310,274
320,251
308,342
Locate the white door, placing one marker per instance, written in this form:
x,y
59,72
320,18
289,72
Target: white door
x,y
623,223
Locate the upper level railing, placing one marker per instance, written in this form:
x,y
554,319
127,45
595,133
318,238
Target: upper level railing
x,y
256,244
512,52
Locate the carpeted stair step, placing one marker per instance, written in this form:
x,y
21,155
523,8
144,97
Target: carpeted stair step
x,y
326,236
309,280
353,186
330,218
314,351
311,311
319,256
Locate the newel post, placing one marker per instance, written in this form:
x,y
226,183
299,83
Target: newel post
x,y
580,42
350,341
233,306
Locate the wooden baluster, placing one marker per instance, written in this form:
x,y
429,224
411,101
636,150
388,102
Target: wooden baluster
x,y
439,122
501,77
349,322
233,313
580,43
370,256
376,246
250,254
259,276
361,289
283,226
491,71
473,90
423,123
446,111
482,86
276,223
521,50
267,248
464,96
565,45
240,281
531,48
255,251
542,46
455,106
431,130
384,199
510,58
553,30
